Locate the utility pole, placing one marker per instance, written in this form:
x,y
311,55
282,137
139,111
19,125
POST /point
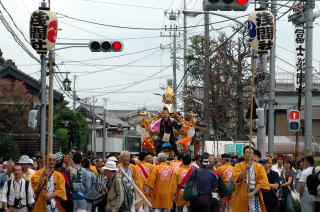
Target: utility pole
x,y
310,4
94,127
43,107
173,17
206,73
174,55
185,47
74,94
50,102
261,131
104,127
272,84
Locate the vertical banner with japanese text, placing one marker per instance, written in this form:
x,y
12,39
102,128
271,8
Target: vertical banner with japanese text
x,y
299,39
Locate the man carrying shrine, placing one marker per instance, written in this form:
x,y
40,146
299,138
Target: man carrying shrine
x,y
162,185
250,179
182,175
225,172
49,187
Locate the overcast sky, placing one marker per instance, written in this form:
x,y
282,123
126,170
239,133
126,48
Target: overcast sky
x,y
101,74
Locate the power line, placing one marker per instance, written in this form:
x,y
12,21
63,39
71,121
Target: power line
x,y
134,28
85,30
126,5
112,86
14,23
116,56
16,38
136,83
132,38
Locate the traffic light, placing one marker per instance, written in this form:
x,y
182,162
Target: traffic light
x,y
32,119
225,5
294,120
260,114
106,46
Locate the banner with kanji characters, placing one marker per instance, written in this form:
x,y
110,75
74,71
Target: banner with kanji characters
x,y
299,39
43,30
261,30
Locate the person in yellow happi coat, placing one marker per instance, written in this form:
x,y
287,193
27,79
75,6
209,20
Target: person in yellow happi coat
x,y
182,175
162,184
248,197
144,169
225,171
49,187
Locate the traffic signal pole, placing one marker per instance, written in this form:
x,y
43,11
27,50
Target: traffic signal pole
x,y
43,108
272,84
50,102
310,4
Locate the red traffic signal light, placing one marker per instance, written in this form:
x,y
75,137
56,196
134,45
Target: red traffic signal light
x,y
105,46
117,46
242,2
294,115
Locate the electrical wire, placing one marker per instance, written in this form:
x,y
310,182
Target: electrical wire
x,y
126,5
136,83
80,28
133,28
16,37
119,85
116,56
14,23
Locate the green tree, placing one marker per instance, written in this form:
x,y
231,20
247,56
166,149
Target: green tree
x,y
15,104
8,148
70,128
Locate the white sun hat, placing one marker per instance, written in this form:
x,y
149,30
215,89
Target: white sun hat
x,y
24,159
110,165
112,158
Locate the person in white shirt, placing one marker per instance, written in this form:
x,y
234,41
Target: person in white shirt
x,y
307,200
17,193
278,167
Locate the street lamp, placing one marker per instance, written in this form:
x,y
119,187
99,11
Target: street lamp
x,y
67,84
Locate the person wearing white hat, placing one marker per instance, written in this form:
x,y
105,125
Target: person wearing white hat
x,y
112,158
27,173
115,193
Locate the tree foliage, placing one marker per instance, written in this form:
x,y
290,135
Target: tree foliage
x,y
15,103
8,148
70,128
228,79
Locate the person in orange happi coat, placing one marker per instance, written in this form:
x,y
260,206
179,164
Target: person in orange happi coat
x,y
144,169
49,187
250,179
225,172
162,184
182,175
178,163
